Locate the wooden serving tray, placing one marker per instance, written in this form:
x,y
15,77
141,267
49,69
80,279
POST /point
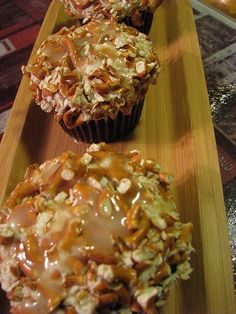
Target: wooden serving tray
x,y
175,128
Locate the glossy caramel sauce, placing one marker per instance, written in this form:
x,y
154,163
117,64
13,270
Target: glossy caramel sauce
x,y
92,72
86,223
82,46
22,217
110,8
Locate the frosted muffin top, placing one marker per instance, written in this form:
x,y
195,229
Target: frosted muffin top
x,y
92,72
119,9
92,233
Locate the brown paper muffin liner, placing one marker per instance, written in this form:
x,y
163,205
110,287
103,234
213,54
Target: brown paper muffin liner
x,y
147,19
106,130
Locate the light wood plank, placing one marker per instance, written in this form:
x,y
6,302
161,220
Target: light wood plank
x,y
226,6
176,129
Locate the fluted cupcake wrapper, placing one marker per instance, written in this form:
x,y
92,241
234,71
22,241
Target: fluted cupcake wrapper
x,y
106,130
147,18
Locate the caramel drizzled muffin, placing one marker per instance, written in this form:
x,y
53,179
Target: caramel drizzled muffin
x,y
94,78
134,13
97,233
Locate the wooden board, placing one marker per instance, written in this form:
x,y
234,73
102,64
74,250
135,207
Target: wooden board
x,y
228,7
176,129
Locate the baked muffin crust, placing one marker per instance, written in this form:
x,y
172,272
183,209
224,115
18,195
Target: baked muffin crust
x,y
92,72
119,9
97,233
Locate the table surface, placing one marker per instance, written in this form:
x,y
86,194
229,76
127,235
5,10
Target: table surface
x,y
228,8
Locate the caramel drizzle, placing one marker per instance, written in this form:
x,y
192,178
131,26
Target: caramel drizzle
x,y
84,229
104,7
74,52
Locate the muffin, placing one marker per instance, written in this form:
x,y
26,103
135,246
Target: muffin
x,y
138,14
94,78
97,233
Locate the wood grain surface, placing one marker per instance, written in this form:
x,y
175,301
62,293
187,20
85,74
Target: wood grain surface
x,y
176,129
226,6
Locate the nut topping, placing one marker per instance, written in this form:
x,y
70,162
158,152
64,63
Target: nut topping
x,y
82,77
85,234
